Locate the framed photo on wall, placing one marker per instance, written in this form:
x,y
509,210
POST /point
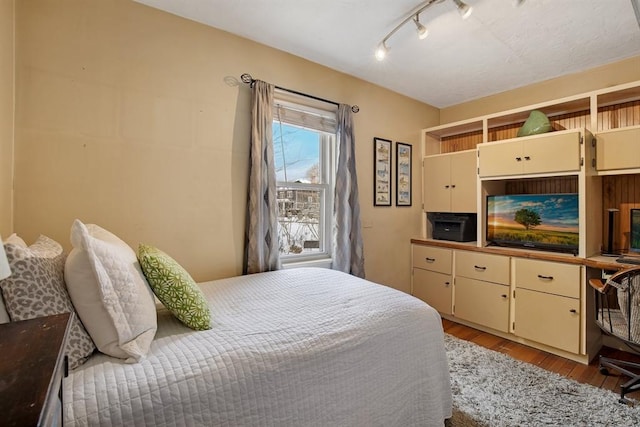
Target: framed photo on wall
x,y
381,172
403,174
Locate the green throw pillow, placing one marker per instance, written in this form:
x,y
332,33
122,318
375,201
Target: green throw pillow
x,y
175,288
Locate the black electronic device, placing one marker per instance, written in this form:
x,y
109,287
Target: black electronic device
x,y
456,227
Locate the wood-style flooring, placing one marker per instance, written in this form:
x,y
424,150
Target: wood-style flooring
x,y
588,374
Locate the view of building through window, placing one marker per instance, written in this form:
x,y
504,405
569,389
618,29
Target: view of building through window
x,y
302,188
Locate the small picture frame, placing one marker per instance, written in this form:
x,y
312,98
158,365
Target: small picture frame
x,y
381,172
403,174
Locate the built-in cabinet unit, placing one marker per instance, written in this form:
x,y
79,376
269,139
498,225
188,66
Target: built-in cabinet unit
x,y
534,297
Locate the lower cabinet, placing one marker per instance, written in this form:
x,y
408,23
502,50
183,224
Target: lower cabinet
x,y
434,288
483,303
547,303
548,319
432,281
537,301
482,289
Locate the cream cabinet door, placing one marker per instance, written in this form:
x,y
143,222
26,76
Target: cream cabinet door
x,y
548,319
499,159
483,303
464,188
618,149
552,152
437,183
433,288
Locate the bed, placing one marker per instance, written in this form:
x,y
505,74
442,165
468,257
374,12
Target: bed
x,y
299,347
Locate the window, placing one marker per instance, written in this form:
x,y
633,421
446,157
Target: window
x,y
303,142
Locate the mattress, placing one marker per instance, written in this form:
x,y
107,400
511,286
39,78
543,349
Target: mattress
x,y
299,347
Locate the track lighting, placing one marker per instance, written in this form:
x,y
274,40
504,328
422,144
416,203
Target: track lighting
x,y
463,9
422,30
381,51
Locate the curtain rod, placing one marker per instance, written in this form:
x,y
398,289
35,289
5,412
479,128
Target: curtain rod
x,y
246,78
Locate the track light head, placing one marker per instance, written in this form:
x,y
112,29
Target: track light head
x,y
381,51
463,9
421,29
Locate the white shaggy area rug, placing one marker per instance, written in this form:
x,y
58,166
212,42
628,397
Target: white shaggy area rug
x,y
491,389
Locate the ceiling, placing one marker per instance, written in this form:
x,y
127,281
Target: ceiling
x,y
498,48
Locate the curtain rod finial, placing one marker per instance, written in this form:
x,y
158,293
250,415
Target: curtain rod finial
x,y
246,78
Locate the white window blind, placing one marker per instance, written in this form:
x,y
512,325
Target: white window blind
x,y
305,112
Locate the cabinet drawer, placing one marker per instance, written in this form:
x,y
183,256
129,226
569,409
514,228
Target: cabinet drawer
x,y
618,149
548,319
430,258
475,265
550,277
435,289
483,303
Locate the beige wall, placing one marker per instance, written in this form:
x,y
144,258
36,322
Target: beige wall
x,y
6,114
132,118
597,78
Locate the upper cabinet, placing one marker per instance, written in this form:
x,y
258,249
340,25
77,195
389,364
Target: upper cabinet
x,y
618,150
617,129
555,152
450,182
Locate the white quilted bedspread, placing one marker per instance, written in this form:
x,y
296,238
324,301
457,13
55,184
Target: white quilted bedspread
x,y
300,347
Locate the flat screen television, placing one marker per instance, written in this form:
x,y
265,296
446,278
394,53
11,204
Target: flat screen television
x,y
547,222
634,241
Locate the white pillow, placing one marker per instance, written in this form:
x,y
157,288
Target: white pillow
x,y
110,293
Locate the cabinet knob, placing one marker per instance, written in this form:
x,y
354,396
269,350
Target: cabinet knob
x,y
446,186
446,284
573,311
540,276
477,267
518,159
453,186
503,296
527,158
430,259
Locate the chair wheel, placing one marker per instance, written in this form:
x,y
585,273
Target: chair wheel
x,y
604,371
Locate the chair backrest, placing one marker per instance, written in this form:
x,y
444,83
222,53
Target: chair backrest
x,y
628,284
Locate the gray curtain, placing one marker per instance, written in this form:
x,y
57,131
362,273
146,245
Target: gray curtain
x,y
347,231
261,246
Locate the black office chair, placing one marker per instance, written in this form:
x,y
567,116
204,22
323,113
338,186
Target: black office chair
x,y
618,315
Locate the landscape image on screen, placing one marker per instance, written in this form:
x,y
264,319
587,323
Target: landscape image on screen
x,y
534,220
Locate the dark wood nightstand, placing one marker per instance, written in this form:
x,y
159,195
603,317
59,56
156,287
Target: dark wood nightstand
x,y
32,365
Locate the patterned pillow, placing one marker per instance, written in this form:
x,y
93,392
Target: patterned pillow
x,y
175,288
36,288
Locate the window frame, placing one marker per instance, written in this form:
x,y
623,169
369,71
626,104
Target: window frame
x,y
327,160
